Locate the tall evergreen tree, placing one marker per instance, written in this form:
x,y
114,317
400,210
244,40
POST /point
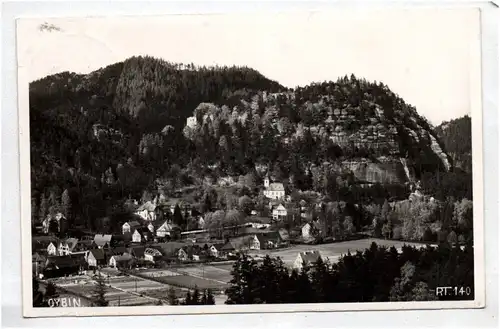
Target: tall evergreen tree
x,y
172,296
99,292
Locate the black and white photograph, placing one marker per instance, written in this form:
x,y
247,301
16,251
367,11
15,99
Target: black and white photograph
x,y
310,160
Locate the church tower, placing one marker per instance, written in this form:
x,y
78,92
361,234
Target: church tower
x,y
266,181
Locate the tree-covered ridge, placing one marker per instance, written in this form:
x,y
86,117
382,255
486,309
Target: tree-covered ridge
x,y
456,136
102,138
325,122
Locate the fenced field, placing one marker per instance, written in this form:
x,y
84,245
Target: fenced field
x,y
187,281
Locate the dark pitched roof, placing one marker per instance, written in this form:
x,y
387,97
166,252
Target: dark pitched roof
x,y
72,242
98,254
268,237
142,230
228,247
118,250
133,223
62,261
170,248
309,257
218,246
137,251
122,258
102,239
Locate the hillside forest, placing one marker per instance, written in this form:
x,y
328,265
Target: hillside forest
x,y
353,150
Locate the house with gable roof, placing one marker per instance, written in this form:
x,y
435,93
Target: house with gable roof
x,y
279,212
96,257
103,241
306,258
52,249
141,234
147,211
152,254
66,246
120,260
129,227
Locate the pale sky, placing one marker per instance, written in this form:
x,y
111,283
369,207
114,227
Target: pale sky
x,y
424,55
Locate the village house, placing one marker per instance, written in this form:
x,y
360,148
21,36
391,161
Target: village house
x,y
269,240
66,247
182,255
141,234
58,218
273,190
37,261
310,230
279,212
103,241
152,254
120,260
129,227
306,258
96,257
58,266
151,227
51,249
249,242
215,250
147,211
165,229
284,235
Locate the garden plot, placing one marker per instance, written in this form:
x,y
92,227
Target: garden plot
x,y
188,281
113,296
214,273
133,284
158,273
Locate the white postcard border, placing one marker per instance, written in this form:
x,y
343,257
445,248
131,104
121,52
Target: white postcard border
x,y
479,302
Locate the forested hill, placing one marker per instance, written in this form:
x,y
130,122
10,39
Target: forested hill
x,y
102,137
457,139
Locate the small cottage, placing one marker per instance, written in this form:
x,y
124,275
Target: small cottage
x,y
120,260
152,254
141,234
129,227
96,257
147,211
51,249
279,212
306,258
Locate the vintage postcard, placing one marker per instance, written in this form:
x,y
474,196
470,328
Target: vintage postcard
x,y
315,161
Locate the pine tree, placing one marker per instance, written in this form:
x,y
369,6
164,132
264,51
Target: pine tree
x,y
210,300
188,300
44,208
203,300
51,291
195,297
178,219
244,284
66,205
38,298
99,292
172,296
